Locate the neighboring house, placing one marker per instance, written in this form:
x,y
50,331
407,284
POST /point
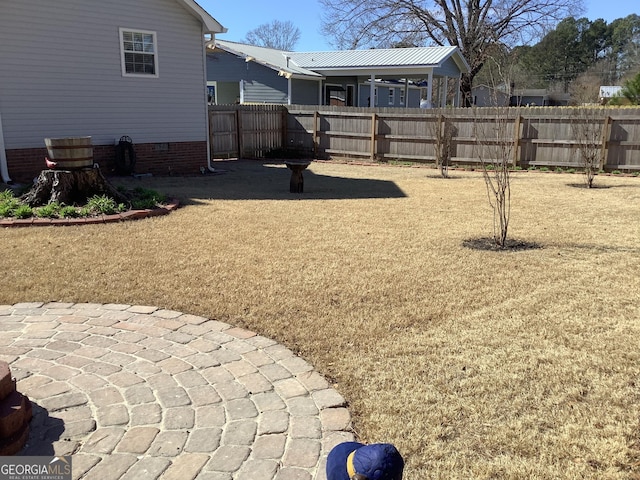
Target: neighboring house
x,y
486,96
240,73
105,69
539,97
608,92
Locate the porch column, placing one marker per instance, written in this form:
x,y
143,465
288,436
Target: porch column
x,y
429,88
406,92
443,94
320,92
372,91
289,90
457,96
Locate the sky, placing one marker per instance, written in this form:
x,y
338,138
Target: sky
x,y
240,17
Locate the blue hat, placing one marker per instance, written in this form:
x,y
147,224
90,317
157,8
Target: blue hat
x,y
378,461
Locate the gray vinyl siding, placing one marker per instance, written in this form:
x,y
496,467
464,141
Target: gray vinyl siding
x,y
270,90
448,68
60,72
261,84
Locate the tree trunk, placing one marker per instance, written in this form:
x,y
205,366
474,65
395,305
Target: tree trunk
x,y
70,187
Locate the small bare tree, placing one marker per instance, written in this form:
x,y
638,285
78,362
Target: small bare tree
x,y
441,129
588,126
495,142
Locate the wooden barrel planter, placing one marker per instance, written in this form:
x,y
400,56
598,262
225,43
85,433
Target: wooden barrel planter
x,y
69,153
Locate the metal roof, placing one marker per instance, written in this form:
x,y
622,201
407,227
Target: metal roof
x,y
395,61
275,59
609,91
372,58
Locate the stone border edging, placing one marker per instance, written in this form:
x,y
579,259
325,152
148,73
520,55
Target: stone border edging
x,y
116,217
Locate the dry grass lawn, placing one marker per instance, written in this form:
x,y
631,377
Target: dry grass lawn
x,y
476,364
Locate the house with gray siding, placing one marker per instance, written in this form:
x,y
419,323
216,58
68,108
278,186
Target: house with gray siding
x,y
104,69
241,73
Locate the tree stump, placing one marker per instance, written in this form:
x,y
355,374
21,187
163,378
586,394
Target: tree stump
x,y
70,187
15,414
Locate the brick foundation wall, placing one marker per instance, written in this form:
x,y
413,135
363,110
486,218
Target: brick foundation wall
x,y
161,159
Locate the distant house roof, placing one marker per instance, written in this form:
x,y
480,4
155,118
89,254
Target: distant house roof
x,y
609,91
278,60
391,61
211,24
418,57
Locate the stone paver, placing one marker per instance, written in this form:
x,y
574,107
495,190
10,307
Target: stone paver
x,y
134,391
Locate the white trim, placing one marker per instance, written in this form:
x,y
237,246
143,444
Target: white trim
x,y
241,92
4,171
214,84
372,90
210,24
404,92
121,30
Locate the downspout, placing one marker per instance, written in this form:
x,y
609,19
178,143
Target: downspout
x,y
4,171
204,54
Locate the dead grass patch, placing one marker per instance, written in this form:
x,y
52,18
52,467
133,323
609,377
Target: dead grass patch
x,y
476,364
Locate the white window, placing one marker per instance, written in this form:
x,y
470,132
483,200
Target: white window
x,y
138,53
392,93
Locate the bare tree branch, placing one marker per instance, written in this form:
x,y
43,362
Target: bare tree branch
x,y
471,25
277,34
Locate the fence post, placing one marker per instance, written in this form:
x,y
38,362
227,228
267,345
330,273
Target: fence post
x,y
373,136
211,138
239,132
516,140
439,147
316,135
606,133
285,128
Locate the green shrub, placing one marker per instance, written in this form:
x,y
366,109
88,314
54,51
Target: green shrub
x,y
6,195
144,198
23,211
559,170
101,204
544,169
616,172
84,211
8,203
47,211
68,211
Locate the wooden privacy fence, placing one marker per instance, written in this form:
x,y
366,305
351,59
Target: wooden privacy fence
x,y
536,136
246,131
